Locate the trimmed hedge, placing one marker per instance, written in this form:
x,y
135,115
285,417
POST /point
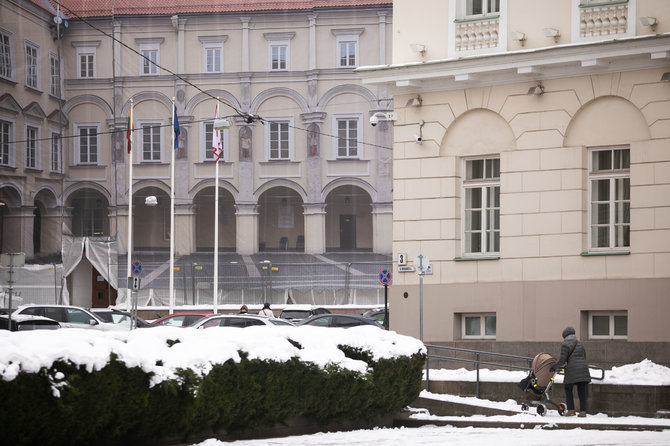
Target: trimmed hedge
x,y
116,405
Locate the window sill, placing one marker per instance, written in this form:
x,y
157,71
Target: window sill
x,y
8,80
604,253
33,89
466,259
86,166
478,18
601,4
32,169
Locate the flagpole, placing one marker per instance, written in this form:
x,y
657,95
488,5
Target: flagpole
x,y
172,150
130,203
216,213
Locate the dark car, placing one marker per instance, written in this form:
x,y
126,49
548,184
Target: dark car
x,y
378,314
119,317
340,320
239,320
180,319
22,322
298,313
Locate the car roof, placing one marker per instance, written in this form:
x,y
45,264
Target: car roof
x,y
300,307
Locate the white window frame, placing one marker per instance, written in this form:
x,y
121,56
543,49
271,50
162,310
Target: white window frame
x,y
77,143
612,175
7,70
468,6
268,125
347,36
32,146
6,139
150,44
359,138
483,184
279,40
206,154
612,315
212,43
32,69
482,325
140,140
55,152
55,76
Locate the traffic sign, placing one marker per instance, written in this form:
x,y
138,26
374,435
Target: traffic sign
x,y
421,262
385,276
136,267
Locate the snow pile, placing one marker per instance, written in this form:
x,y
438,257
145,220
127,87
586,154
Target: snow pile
x,y
163,350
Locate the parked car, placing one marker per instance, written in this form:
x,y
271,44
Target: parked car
x,y
298,313
119,317
378,314
340,320
180,319
239,320
69,316
23,322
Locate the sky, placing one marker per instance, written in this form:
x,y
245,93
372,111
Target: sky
x,y
199,349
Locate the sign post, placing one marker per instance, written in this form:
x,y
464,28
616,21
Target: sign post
x,y
134,285
11,260
422,263
385,279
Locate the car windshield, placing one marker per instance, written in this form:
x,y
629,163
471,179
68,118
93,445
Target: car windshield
x,y
295,314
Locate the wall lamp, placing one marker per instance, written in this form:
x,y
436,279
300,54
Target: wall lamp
x,y
536,90
418,48
552,32
518,37
665,77
650,22
414,102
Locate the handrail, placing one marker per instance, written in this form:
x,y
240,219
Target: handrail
x,y
477,362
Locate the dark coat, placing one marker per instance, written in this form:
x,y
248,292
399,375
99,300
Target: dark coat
x,y
573,359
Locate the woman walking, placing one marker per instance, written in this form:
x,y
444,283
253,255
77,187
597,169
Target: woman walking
x,y
573,360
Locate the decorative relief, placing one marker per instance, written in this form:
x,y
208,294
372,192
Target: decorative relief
x,y
605,20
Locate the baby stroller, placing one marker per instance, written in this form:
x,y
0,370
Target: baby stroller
x,y
537,386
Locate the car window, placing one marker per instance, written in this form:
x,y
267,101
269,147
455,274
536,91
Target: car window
x,y
294,314
240,322
190,319
343,321
105,316
251,322
321,321
280,322
34,311
120,318
218,322
176,321
76,316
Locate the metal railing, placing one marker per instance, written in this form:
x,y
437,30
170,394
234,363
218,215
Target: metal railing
x,y
477,362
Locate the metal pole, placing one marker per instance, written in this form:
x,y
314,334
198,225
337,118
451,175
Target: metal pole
x,y
477,368
421,306
172,234
386,306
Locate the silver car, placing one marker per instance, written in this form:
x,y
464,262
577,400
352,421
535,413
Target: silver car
x,y
69,316
239,320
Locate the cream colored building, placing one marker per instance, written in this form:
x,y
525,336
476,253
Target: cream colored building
x,y
301,171
532,168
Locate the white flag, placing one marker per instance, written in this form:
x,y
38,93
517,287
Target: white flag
x,y
217,148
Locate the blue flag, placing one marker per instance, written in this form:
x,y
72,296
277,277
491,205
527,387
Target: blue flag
x,y
177,130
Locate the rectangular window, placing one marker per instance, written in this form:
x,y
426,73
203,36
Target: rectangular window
x,y
347,53
87,139
32,136
478,7
609,179
54,76
213,59
347,138
86,65
6,70
151,141
32,66
149,61
482,206
279,140
207,153
478,326
56,155
5,137
278,57
608,325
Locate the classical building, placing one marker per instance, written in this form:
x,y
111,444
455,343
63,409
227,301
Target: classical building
x,y
532,170
301,169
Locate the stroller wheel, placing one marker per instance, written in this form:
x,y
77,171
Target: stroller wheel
x,y
542,410
524,407
562,408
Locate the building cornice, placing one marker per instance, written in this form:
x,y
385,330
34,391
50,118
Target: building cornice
x,y
579,59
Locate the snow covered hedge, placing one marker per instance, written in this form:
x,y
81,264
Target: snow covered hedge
x,y
75,386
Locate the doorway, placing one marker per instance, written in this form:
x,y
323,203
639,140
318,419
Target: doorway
x,y
347,231
102,295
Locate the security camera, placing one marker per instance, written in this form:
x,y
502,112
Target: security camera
x,y
374,120
418,139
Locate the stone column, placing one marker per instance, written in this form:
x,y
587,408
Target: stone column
x,y
184,229
315,228
247,228
382,228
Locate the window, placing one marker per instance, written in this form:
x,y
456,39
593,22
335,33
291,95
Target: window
x,y
482,206
347,46
478,326
608,325
86,58
149,61
279,50
609,180
206,153
347,137
6,56
54,76
32,65
87,144
212,57
32,149
347,54
151,141
149,55
279,140
478,7
56,153
6,154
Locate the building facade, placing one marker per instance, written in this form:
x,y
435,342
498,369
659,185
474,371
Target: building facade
x,y
532,169
301,171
